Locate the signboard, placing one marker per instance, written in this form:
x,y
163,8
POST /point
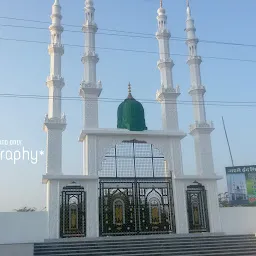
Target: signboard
x,y
241,182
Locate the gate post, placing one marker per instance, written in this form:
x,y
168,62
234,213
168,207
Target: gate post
x,y
92,208
180,206
53,208
213,206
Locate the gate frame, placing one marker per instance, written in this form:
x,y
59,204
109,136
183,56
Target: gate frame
x,y
77,191
200,190
134,181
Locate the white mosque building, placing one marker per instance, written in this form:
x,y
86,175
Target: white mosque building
x,y
132,180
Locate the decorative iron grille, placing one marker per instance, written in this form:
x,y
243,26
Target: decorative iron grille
x,y
134,159
136,206
197,208
72,211
135,191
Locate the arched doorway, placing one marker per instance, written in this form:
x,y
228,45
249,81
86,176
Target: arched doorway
x,y
135,191
197,208
72,211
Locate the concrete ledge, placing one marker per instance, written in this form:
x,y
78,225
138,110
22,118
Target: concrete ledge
x,y
143,237
48,177
198,177
16,249
124,132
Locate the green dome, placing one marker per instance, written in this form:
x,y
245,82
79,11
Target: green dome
x,y
130,115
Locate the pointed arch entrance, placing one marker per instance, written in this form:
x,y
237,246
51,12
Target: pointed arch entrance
x,y
135,191
197,208
72,211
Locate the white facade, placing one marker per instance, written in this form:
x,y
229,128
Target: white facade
x,y
97,141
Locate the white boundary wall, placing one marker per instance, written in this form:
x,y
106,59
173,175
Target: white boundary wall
x,y
31,227
16,249
238,220
23,227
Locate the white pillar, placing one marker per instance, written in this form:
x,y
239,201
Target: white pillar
x,y
92,209
53,208
201,129
180,206
213,206
167,95
55,121
90,155
90,89
177,166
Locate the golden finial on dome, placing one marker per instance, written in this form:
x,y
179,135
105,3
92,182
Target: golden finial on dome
x,y
129,88
129,91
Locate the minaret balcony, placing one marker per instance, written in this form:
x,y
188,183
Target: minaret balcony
x,y
55,123
56,81
90,55
203,127
197,89
56,27
56,48
90,88
90,26
192,41
165,63
163,33
167,93
194,60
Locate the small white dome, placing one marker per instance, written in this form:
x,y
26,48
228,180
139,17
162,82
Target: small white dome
x,y
161,11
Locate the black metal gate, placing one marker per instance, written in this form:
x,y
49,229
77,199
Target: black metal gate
x,y
130,206
197,208
72,211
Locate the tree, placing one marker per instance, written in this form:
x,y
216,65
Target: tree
x,y
224,199
26,209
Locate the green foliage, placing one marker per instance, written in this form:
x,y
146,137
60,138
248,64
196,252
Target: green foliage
x,y
26,209
223,200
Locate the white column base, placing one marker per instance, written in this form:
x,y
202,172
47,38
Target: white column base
x,y
213,206
92,209
53,208
180,207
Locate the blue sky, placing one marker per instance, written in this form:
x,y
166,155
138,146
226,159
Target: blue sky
x,y
25,66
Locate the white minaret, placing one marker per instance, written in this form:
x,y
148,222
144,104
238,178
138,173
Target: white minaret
x,y
55,121
201,129
167,94
90,89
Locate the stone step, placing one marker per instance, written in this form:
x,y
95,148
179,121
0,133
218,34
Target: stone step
x,y
137,246
132,251
147,238
235,252
159,240
157,245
